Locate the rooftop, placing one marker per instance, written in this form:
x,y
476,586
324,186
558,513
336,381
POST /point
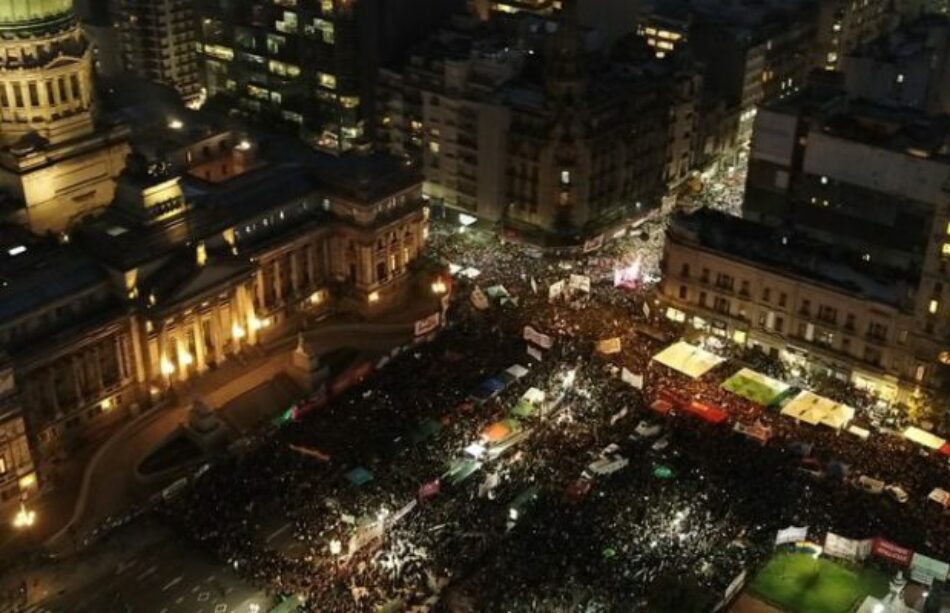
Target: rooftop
x,y
791,255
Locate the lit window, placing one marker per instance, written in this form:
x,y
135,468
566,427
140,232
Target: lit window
x,y
327,80
824,180
434,147
565,177
14,251
933,307
900,78
945,250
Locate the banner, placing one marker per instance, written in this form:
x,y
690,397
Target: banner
x,y
430,323
396,517
841,547
792,534
534,352
609,346
541,340
534,285
555,290
430,489
618,416
580,282
940,496
365,535
927,570
646,310
631,379
594,244
479,299
892,552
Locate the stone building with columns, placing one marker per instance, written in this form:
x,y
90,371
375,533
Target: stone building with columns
x,y
182,274
57,163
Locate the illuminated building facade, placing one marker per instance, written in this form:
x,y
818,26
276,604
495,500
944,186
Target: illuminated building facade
x,y
157,41
162,287
820,307
18,479
55,161
844,25
310,65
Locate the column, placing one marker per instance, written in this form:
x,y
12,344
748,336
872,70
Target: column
x,y
51,387
278,290
294,270
311,279
77,381
199,344
138,349
181,348
120,363
97,367
218,335
259,286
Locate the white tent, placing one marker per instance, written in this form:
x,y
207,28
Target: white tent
x,y
922,437
814,409
688,359
517,371
533,395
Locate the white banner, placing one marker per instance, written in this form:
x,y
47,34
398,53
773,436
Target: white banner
x,y
365,535
479,299
792,534
609,346
541,340
534,352
594,244
646,310
940,496
841,547
430,323
580,282
632,379
555,290
396,517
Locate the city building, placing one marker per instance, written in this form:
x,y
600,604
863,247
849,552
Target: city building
x,y
209,247
157,41
57,165
871,178
819,307
534,134
309,66
907,67
844,25
18,479
611,19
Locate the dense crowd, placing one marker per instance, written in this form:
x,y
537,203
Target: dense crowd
x,y
692,513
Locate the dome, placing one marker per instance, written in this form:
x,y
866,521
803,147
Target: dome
x,y
28,12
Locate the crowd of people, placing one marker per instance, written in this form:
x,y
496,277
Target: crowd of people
x,y
695,511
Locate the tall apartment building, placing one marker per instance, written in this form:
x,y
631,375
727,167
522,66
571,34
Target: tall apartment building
x,y
56,162
611,19
310,66
907,67
871,178
157,40
528,133
844,25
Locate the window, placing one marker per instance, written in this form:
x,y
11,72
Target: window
x,y
933,307
744,289
721,305
846,345
849,322
877,331
827,314
565,177
872,355
825,338
902,337
766,294
945,250
806,307
682,292
705,276
782,298
327,80
724,281
779,324
684,271
702,298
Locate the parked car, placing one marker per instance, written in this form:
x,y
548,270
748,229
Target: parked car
x,y
646,429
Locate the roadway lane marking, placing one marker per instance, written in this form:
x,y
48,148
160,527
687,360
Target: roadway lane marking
x,y
278,532
151,569
172,583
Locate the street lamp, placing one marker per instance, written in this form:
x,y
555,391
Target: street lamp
x,y
25,518
438,286
336,547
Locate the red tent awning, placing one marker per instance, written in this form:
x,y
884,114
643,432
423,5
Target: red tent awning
x,y
661,406
706,412
945,450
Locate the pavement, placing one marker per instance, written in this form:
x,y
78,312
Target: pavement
x,y
141,567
